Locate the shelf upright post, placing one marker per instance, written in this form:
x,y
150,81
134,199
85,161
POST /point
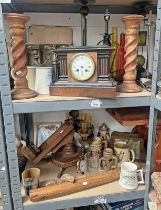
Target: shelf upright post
x,y
8,120
4,169
153,111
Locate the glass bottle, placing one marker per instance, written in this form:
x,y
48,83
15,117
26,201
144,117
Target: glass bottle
x,y
120,57
114,44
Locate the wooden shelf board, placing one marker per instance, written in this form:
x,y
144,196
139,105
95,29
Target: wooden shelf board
x,y
49,173
42,98
132,116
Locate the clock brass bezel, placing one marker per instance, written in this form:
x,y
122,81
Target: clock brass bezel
x,y
70,66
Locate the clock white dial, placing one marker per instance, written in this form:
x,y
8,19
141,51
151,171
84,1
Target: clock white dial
x,y
82,66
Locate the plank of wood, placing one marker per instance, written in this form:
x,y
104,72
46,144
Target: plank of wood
x,y
57,190
94,92
132,116
53,141
50,35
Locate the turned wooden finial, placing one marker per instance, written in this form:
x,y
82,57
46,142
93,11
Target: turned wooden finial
x,y
19,70
132,23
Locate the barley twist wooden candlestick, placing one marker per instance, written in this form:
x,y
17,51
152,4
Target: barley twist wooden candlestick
x,y
131,31
19,71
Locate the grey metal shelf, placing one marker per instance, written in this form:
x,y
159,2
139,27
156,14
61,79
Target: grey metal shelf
x,y
5,186
68,103
154,105
85,201
23,6
111,192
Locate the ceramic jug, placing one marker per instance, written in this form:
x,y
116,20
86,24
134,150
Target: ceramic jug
x,y
123,152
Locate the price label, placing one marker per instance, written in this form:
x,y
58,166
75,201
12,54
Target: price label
x,y
2,169
96,103
100,199
5,1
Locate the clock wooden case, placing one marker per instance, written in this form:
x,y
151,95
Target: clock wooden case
x,y
83,71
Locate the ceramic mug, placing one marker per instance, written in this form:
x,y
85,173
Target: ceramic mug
x,y
108,161
108,164
107,153
129,176
123,152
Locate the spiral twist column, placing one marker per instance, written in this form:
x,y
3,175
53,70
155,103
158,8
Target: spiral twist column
x,y
19,70
132,23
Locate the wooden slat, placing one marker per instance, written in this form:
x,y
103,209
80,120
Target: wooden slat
x,y
53,141
57,190
132,116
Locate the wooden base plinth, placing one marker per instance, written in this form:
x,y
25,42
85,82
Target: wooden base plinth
x,y
64,160
130,87
109,92
23,93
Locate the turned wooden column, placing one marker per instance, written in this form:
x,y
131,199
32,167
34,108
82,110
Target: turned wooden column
x,y
19,71
131,32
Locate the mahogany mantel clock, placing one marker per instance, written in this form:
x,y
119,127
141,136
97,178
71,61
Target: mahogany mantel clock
x,y
83,71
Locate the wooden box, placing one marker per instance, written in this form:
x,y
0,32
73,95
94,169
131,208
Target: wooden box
x,y
50,35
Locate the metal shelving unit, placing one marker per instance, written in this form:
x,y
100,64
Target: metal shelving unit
x,y
155,104
40,104
5,187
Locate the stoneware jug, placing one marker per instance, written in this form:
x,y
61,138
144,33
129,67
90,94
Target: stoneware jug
x,y
129,176
123,152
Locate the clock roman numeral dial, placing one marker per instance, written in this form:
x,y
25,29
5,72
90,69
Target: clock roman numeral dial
x,y
82,66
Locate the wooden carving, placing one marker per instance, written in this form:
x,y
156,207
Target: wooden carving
x,y
57,190
131,31
16,24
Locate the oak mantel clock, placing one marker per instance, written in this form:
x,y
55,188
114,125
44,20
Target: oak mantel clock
x,y
83,71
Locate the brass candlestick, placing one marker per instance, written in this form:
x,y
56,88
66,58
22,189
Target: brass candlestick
x,y
131,31
16,24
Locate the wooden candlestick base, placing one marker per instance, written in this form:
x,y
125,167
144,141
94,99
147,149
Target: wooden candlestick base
x,y
23,93
131,31
130,87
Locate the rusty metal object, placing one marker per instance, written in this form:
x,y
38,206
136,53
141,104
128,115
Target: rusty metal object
x,y
16,24
131,31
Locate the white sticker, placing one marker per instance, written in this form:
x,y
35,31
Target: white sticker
x,y
19,72
100,199
85,183
5,1
96,103
61,131
3,168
